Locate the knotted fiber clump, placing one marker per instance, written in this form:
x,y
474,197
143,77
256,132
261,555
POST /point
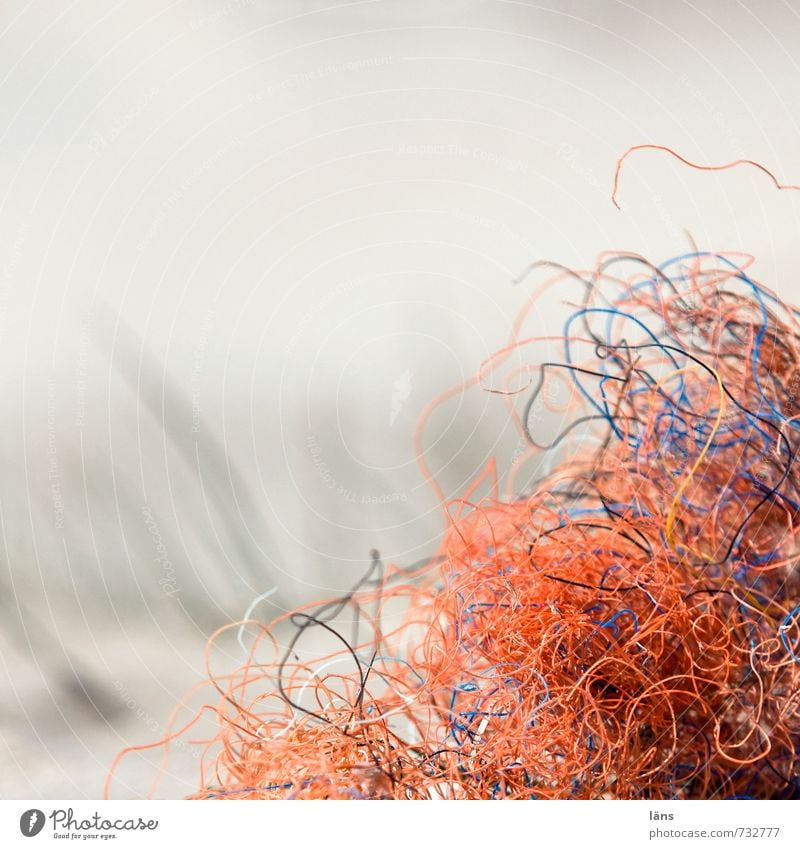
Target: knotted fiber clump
x,y
625,626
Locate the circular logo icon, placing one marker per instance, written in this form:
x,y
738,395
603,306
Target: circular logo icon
x,y
31,822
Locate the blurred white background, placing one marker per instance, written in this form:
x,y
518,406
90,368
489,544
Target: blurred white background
x,y
244,242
